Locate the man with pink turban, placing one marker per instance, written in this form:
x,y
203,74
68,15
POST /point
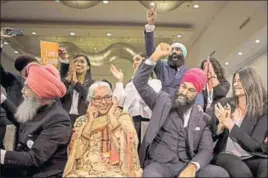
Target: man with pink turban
x,y
178,141
44,126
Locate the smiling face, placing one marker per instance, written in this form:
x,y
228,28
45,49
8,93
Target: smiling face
x,y
102,100
186,94
238,87
81,65
176,58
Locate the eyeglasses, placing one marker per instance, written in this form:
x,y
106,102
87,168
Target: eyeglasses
x,y
106,98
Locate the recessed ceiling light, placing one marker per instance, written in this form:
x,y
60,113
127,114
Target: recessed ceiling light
x,y
226,63
179,36
152,4
5,43
108,34
81,39
16,52
196,6
34,33
240,53
72,33
105,2
257,41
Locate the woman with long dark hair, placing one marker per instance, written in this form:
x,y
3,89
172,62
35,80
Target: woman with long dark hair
x,y
77,81
241,127
217,86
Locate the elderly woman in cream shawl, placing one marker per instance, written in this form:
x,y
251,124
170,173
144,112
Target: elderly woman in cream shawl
x,y
104,142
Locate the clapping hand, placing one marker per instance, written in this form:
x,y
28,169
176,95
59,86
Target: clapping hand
x,y
224,115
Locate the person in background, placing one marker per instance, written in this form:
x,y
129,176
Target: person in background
x,y
178,141
45,128
104,141
217,86
170,72
241,127
130,99
3,119
12,82
77,78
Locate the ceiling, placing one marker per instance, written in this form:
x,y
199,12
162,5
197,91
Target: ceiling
x,y
53,21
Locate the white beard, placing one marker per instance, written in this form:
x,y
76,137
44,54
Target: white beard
x,y
27,109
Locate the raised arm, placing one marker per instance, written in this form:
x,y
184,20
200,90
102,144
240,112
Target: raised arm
x,y
141,78
119,91
150,41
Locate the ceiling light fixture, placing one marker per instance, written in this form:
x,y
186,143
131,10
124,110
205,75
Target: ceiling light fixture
x,y
5,43
57,0
226,63
105,2
108,34
179,36
196,6
34,33
240,53
257,41
16,52
72,33
152,4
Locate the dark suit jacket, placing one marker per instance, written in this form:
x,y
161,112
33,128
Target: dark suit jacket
x,y
13,84
250,135
199,140
220,91
42,147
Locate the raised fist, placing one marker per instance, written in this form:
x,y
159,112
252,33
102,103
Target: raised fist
x,y
62,53
162,50
151,15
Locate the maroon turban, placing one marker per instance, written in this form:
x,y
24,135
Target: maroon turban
x,y
45,81
197,77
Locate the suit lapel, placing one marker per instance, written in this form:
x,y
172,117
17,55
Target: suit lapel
x,y
248,124
191,126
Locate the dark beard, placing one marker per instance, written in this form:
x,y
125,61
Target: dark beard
x,y
182,107
175,64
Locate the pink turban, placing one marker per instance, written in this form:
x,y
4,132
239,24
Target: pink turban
x,y
197,77
45,81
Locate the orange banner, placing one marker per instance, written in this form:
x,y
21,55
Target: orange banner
x,y
49,53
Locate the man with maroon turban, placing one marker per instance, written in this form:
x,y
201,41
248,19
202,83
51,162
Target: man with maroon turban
x,y
44,126
178,141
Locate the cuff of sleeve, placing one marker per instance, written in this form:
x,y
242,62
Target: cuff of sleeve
x,y
234,131
2,156
119,85
64,61
149,62
149,28
197,165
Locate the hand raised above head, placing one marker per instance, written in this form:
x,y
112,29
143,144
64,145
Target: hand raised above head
x,y
151,15
162,50
62,53
4,34
118,74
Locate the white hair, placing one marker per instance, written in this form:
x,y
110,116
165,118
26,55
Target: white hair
x,y
28,109
94,86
